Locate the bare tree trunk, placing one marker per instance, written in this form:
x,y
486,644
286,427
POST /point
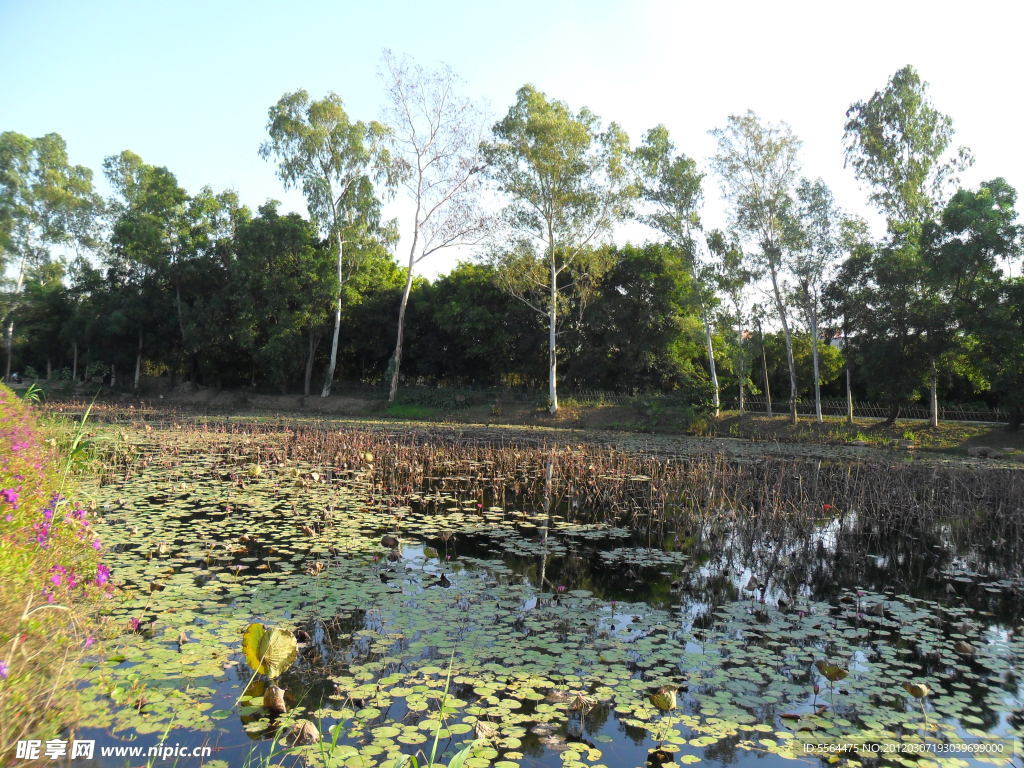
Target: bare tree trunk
x,y
49,369
329,378
705,319
396,359
849,397
10,323
935,395
739,376
764,364
552,333
814,357
10,346
113,375
138,363
711,364
74,362
181,317
789,345
314,339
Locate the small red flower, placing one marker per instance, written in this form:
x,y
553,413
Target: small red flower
x,y
826,507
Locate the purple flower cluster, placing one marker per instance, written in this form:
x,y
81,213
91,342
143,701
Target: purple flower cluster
x,y
32,515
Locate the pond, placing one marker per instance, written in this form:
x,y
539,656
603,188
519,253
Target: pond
x,y
551,613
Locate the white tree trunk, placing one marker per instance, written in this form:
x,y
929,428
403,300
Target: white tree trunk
x,y
10,324
764,364
9,341
396,359
814,357
329,378
74,362
138,363
935,395
705,319
739,375
711,364
308,379
849,397
789,344
552,333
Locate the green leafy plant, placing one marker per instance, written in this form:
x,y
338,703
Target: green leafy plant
x,y
34,394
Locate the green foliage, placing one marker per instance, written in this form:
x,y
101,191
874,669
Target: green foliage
x,y
642,330
896,142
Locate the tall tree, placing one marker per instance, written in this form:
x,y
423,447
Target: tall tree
x,y
567,183
671,184
206,250
842,300
901,147
816,250
147,227
436,136
976,235
757,163
334,161
286,283
734,274
44,201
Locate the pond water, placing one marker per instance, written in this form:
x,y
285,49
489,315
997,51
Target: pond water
x,y
551,636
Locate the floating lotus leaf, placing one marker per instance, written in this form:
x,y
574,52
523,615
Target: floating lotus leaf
x,y
269,653
832,672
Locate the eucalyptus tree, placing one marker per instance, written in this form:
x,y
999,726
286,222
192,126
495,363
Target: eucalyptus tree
x,y
842,300
435,136
900,146
44,202
816,250
734,274
567,183
334,161
671,185
757,164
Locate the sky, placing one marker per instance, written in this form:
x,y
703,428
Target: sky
x,y
187,84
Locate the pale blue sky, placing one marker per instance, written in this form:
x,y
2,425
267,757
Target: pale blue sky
x,y
187,84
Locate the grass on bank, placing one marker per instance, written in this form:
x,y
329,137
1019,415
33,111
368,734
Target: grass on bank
x,y
646,414
950,436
